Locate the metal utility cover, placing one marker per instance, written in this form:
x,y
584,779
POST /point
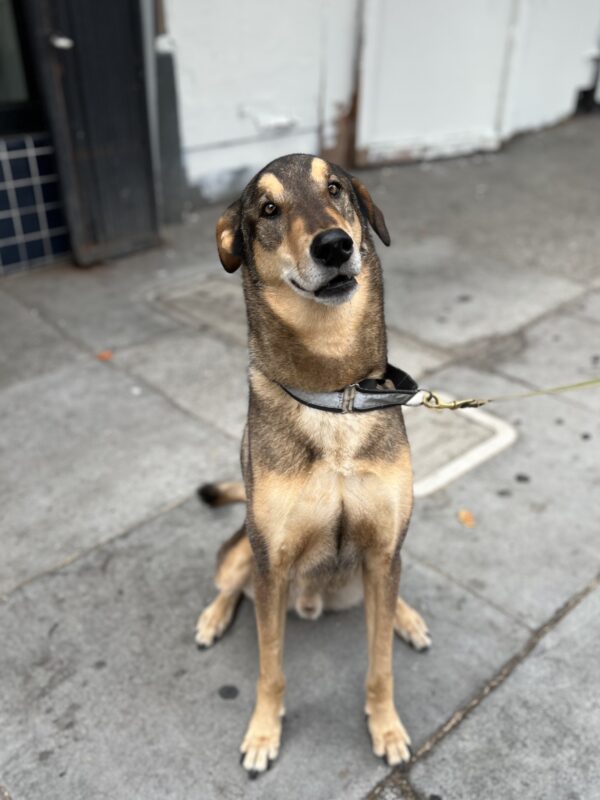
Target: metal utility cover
x,y
444,444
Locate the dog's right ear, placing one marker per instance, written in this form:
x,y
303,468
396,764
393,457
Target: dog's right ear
x,y
229,237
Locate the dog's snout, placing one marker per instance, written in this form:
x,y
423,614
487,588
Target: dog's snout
x,y
331,248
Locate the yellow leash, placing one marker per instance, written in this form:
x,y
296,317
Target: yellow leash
x,y
432,400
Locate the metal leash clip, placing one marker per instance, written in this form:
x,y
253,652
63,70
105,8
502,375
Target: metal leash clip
x,y
432,400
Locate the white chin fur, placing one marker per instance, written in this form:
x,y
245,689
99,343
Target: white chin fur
x,y
334,300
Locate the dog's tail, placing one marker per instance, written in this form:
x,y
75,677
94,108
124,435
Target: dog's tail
x,y
220,494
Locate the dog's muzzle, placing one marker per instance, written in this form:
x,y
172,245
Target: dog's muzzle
x,y
330,277
333,249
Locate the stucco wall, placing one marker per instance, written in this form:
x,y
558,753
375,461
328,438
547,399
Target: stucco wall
x,y
431,75
259,78
439,78
555,44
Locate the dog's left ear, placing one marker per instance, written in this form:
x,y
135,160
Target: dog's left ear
x,y
371,211
229,237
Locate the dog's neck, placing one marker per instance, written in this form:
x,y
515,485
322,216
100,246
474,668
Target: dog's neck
x,y
297,342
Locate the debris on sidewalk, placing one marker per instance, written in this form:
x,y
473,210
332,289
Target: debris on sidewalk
x,y
466,518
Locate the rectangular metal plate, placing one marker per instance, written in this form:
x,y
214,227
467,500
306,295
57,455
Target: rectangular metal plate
x,y
444,444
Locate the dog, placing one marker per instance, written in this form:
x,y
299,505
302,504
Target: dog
x,y
328,495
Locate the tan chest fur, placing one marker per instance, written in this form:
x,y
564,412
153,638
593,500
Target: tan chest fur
x,y
325,514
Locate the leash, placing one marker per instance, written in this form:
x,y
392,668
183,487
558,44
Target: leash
x,y
433,400
372,394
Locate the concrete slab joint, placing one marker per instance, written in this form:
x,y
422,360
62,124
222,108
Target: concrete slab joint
x,y
107,556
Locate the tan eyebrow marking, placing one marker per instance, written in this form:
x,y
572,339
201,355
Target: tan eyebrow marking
x,y
271,184
318,170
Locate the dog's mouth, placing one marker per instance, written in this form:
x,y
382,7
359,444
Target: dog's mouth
x,y
337,287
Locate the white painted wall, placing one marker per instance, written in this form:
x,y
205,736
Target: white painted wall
x,y
555,43
260,78
340,43
441,78
256,79
430,77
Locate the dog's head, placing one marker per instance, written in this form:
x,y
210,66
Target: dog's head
x,y
301,225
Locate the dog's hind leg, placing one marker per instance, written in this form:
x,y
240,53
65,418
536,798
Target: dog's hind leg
x,y
234,568
410,626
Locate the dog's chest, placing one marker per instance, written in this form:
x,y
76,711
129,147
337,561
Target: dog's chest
x,y
340,438
341,502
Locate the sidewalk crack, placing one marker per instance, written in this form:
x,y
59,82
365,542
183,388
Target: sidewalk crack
x,y
123,534
398,779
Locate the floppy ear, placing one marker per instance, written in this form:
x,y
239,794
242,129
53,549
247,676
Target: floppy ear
x,y
229,237
371,212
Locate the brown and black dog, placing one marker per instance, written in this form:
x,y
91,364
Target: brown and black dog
x,y
329,496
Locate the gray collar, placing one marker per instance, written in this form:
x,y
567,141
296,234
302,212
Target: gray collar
x,y
369,394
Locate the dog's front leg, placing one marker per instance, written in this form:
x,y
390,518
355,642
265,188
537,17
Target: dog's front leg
x,y
381,576
261,742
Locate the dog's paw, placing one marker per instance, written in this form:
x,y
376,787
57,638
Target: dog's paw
x,y
389,737
411,626
213,623
261,745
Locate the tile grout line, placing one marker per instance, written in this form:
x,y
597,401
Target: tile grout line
x,y
39,198
397,777
13,203
29,209
165,509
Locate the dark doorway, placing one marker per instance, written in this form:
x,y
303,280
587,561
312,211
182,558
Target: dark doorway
x,y
89,59
20,107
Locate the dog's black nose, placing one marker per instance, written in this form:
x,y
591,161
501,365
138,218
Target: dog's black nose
x,y
332,248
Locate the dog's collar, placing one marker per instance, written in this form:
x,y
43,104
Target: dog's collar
x,y
369,394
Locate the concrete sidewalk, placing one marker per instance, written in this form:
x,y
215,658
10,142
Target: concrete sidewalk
x,y
492,287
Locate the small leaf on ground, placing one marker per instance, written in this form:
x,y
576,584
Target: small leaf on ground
x,y
466,518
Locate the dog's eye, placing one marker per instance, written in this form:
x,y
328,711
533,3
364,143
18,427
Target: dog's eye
x,y
334,188
269,210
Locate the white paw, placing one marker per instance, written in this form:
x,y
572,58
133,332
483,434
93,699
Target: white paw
x,y
389,737
212,624
261,745
411,627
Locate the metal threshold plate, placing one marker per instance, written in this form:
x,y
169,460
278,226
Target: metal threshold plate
x,y
448,444
444,444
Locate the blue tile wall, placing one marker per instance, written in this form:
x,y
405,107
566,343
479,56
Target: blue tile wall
x,y
32,225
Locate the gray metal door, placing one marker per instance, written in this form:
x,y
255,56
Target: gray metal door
x,y
90,61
